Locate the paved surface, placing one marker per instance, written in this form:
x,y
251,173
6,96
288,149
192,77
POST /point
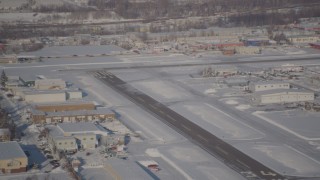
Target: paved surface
x,y
235,159
140,65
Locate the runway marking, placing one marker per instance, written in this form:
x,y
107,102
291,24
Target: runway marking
x,y
202,138
249,174
140,99
171,118
161,112
242,163
185,127
221,150
268,173
153,106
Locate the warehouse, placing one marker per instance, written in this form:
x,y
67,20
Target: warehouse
x,y
65,106
12,158
47,84
44,96
73,94
282,96
268,85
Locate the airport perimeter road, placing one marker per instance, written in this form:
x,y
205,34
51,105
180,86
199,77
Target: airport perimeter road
x,y
235,159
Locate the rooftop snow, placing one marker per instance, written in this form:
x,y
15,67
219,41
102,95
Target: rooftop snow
x,y
10,150
78,127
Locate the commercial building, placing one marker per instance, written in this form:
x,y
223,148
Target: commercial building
x,y
44,96
8,59
268,85
65,144
86,140
304,39
70,137
248,50
12,158
282,96
47,84
65,106
71,116
73,94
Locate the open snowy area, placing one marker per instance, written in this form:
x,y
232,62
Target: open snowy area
x,y
300,123
283,158
216,121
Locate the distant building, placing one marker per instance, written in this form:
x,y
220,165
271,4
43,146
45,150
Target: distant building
x,y
12,158
282,96
304,39
268,85
248,50
8,59
47,84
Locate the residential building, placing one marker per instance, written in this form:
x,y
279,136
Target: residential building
x,y
12,158
282,96
268,85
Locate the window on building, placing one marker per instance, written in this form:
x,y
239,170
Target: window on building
x,y
84,139
71,142
91,138
65,143
60,143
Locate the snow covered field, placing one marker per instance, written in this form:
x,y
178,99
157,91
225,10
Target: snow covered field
x,y
283,159
163,91
216,121
302,124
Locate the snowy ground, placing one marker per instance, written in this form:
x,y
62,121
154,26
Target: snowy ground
x,y
216,121
162,91
283,159
300,123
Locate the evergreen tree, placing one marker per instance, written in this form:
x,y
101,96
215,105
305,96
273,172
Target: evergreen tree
x,y
3,79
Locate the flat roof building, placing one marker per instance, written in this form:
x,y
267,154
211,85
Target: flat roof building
x,y
47,84
72,116
282,96
268,85
12,158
